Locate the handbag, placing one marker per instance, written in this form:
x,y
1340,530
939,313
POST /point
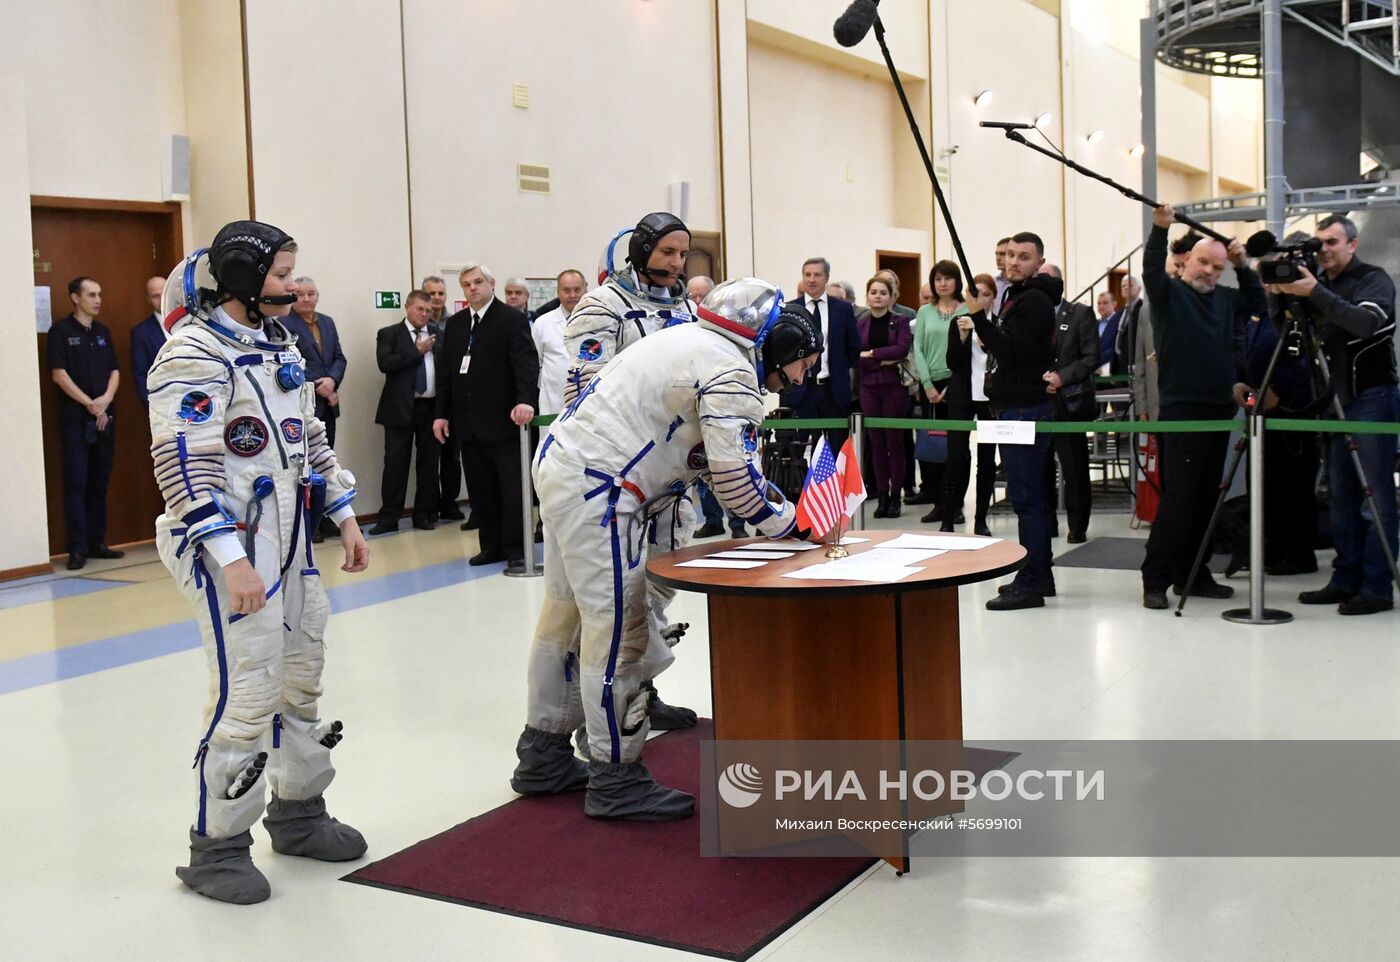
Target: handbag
x,y
1078,401
931,446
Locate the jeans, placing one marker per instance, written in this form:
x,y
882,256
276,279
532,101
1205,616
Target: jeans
x,y
1360,564
1025,488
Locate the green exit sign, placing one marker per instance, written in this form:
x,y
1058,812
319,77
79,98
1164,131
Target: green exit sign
x,y
387,299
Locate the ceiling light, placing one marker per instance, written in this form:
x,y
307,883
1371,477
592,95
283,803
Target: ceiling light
x,y
1137,151
1094,136
983,98
1042,121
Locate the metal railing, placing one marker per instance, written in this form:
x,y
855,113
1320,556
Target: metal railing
x,y
1125,259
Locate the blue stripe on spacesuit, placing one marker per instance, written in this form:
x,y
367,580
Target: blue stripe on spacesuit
x,y
207,380
184,456
675,426
292,550
341,501
609,704
199,514
544,448
212,597
573,405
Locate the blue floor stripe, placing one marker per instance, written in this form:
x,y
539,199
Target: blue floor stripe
x,y
53,589
77,660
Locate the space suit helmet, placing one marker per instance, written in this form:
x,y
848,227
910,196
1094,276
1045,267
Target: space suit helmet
x,y
794,336
748,310
631,273
241,256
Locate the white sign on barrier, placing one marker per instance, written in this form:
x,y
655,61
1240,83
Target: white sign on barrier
x,y
1006,432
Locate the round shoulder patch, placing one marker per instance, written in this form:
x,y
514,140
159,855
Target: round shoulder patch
x,y
590,350
748,437
196,407
697,460
245,436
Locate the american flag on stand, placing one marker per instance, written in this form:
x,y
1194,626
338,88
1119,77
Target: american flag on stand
x,y
831,491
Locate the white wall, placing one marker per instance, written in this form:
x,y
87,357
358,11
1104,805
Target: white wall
x,y
824,144
622,104
997,187
26,540
215,123
326,105
104,87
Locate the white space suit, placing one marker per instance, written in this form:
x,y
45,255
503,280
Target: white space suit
x,y
682,403
243,465
606,321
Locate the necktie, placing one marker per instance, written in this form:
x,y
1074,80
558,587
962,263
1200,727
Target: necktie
x,y
420,377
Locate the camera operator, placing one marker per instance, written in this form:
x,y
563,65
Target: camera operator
x,y
1198,327
1355,304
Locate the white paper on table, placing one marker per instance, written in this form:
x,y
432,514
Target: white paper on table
x,y
842,571
850,540
1006,432
777,546
752,555
935,542
720,563
898,557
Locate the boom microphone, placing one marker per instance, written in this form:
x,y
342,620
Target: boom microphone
x,y
1260,244
1006,125
852,26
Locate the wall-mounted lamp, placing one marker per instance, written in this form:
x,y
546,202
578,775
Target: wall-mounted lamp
x,y
1042,121
1094,136
982,99
1137,151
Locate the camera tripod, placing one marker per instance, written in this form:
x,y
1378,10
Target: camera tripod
x,y
1299,328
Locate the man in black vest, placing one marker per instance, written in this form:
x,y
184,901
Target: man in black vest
x,y
488,387
407,408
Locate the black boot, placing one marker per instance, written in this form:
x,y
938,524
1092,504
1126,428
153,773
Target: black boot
x,y
223,869
892,511
302,827
882,511
547,764
628,791
664,717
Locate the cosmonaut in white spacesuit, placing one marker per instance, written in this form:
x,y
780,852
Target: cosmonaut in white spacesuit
x,y
644,293
682,403
246,474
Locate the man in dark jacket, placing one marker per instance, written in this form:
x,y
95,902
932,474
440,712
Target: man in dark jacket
x,y
1070,384
1020,350
1355,302
1199,329
407,409
488,386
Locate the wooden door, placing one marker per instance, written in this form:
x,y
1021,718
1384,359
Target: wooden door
x,y
906,268
704,259
120,245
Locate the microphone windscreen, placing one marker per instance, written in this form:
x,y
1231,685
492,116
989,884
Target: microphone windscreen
x,y
1260,244
852,26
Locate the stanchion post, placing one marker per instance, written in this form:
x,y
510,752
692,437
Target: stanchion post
x,y
856,426
527,512
1256,613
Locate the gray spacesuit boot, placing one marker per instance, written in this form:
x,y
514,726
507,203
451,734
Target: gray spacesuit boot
x,y
627,791
664,717
548,765
303,828
223,869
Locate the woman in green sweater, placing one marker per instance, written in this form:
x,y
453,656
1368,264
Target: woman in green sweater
x,y
932,329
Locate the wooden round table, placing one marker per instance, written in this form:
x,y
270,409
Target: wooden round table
x,y
836,660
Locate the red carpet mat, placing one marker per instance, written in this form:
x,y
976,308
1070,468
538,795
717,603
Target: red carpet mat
x,y
542,858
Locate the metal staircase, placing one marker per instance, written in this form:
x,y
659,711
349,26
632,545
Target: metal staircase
x,y
1221,37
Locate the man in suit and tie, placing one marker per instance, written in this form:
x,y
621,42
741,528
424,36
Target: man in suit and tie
x,y
407,407
1124,328
488,388
827,391
148,337
1070,384
450,460
319,343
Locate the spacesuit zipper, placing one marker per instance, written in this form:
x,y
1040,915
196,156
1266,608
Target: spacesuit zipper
x,y
272,426
277,730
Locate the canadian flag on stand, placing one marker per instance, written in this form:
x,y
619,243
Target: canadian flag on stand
x,y
834,488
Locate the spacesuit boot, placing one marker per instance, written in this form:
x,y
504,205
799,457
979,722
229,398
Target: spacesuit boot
x,y
303,828
664,717
548,765
627,791
223,869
